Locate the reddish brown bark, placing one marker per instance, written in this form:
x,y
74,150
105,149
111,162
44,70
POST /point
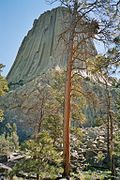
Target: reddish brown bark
x,y
67,108
66,132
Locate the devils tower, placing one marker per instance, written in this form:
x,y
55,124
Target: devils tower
x,y
42,49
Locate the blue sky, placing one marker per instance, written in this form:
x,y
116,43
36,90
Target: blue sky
x,y
16,18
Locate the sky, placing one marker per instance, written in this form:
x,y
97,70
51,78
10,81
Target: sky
x,y
16,19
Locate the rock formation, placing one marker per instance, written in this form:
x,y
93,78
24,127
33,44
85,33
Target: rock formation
x,y
41,50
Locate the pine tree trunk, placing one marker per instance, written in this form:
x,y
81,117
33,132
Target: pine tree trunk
x,y
37,177
112,164
110,130
67,108
108,136
66,131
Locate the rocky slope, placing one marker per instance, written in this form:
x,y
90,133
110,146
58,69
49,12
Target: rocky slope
x,y
23,104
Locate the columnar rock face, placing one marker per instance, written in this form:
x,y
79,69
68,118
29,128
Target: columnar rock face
x,y
42,49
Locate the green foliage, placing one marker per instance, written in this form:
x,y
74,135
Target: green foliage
x,y
5,145
3,88
12,135
89,175
9,142
78,104
117,144
114,54
99,121
41,157
78,135
1,115
94,175
54,106
98,64
107,64
53,124
100,156
3,83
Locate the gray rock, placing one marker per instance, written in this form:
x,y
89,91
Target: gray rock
x,y
3,158
42,48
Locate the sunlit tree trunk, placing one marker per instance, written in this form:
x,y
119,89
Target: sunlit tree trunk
x,y
66,132
67,108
